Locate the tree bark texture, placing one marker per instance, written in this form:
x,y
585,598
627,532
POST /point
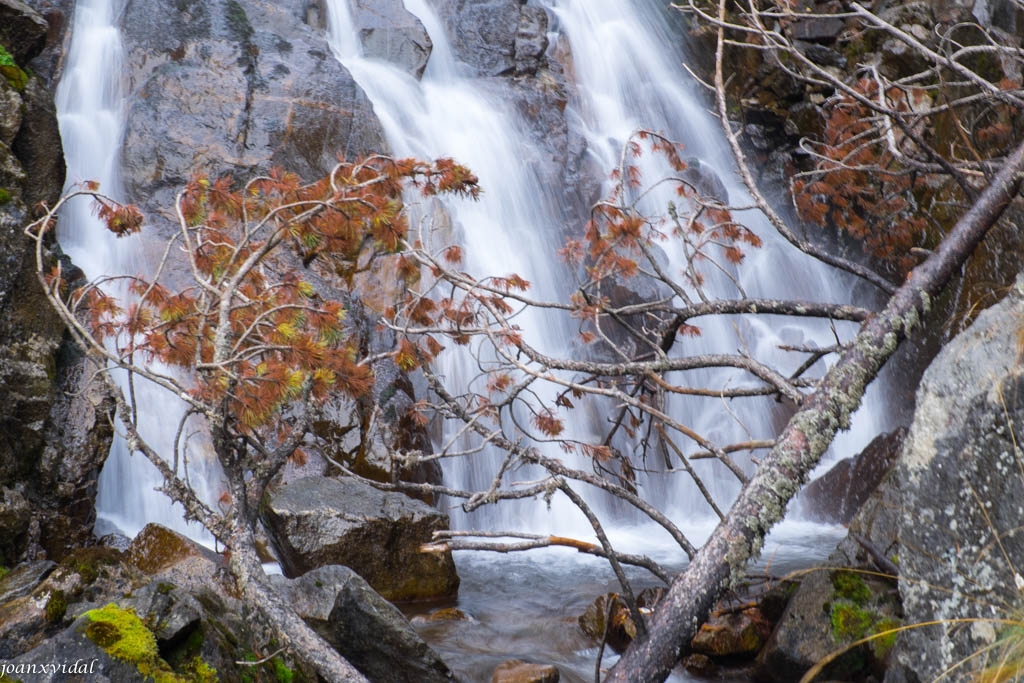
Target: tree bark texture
x,y
289,629
761,503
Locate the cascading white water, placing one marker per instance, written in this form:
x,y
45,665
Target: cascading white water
x,y
629,76
91,104
512,230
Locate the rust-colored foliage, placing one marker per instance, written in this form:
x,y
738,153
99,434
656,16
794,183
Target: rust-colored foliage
x,y
860,183
615,237
621,242
257,334
121,219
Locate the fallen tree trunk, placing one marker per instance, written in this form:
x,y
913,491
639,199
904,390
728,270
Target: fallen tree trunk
x,y
762,502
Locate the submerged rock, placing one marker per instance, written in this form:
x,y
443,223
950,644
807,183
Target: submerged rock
x,y
608,619
321,521
361,625
518,671
733,634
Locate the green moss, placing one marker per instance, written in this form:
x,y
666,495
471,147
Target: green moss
x,y
5,196
89,563
849,622
282,671
56,607
5,57
882,645
124,636
850,586
11,71
3,571
201,672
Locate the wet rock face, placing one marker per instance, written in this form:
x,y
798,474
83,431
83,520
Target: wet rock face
x,y
78,436
320,521
364,627
234,86
836,496
960,535
483,33
496,37
29,331
390,33
54,430
531,40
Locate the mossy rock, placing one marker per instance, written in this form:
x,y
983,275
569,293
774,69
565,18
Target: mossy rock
x,y
11,71
56,607
850,586
849,622
124,636
92,563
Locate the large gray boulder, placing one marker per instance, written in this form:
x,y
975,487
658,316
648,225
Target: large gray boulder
x,y
365,628
960,536
234,86
320,521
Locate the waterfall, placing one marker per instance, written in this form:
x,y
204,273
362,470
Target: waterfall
x,y
629,75
91,102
